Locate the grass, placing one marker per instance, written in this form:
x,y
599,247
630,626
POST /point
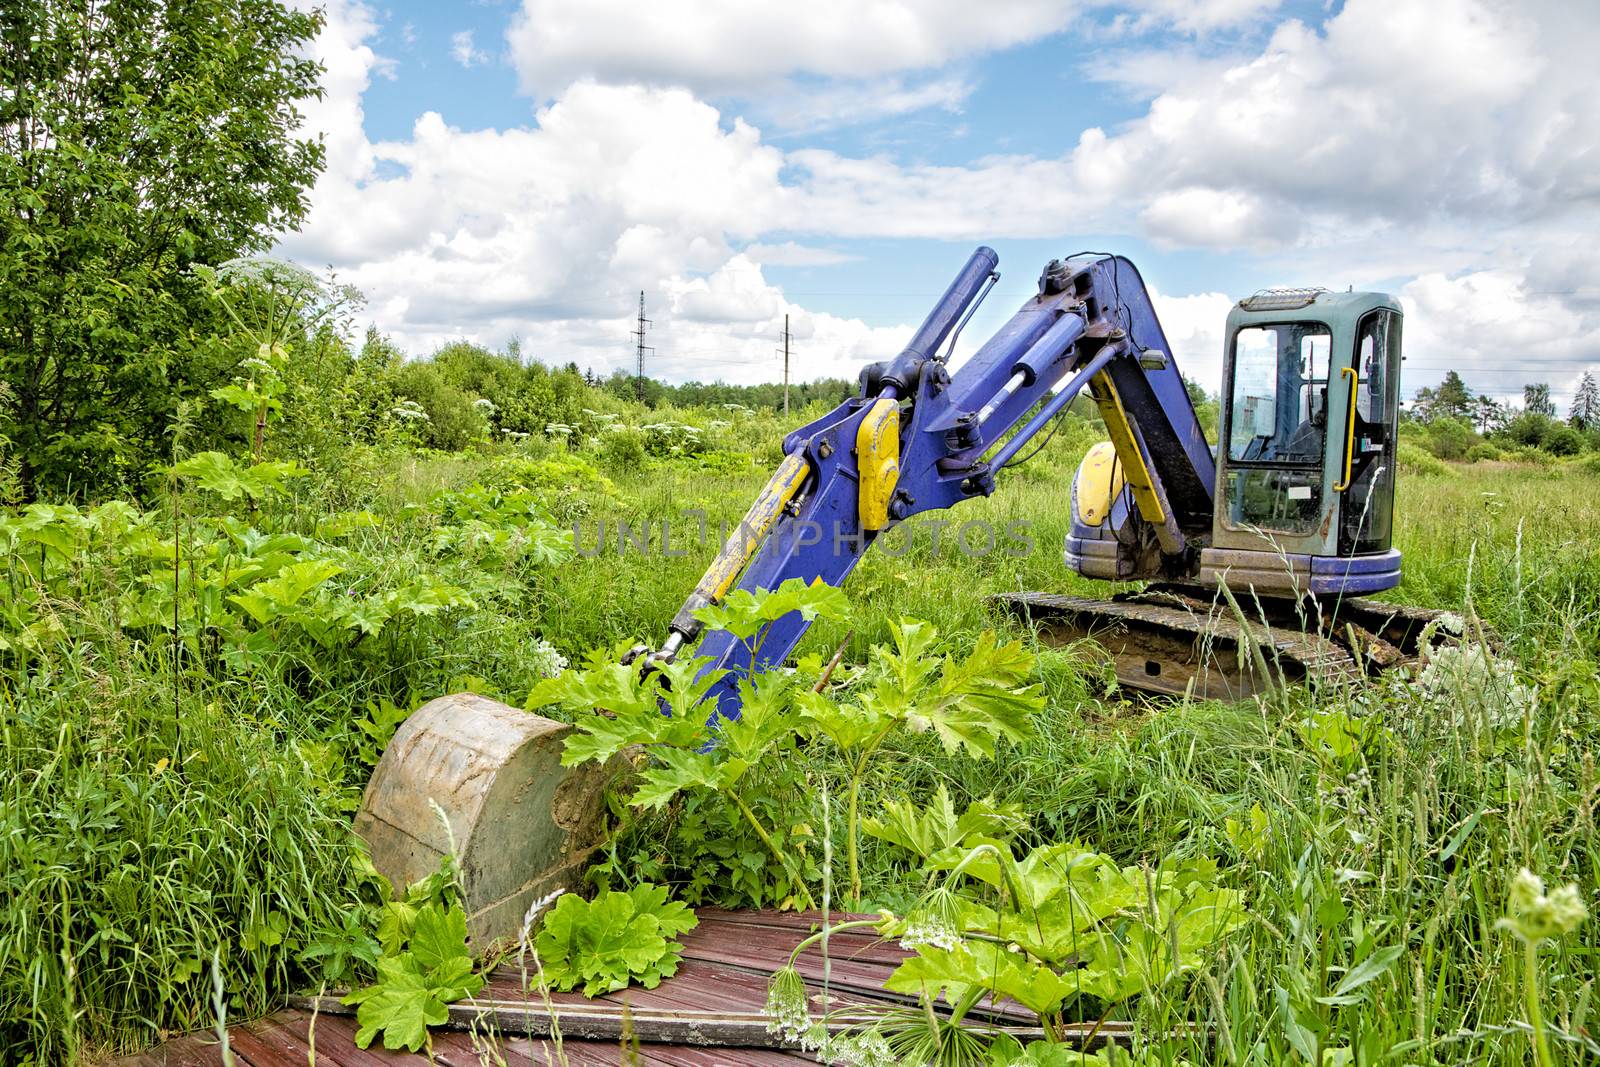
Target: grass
x,y
129,853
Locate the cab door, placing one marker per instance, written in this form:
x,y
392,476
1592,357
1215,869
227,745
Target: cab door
x,y
1277,436
1367,438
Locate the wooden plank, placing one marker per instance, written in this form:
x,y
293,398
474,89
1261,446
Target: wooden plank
x,y
336,1038
602,1021
743,1057
188,1050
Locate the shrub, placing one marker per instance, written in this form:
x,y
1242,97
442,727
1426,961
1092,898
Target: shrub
x,y
1526,454
1562,440
1529,428
1589,464
622,450
453,421
1415,460
559,474
1448,438
1482,451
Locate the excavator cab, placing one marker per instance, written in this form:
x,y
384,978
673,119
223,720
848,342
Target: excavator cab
x,y
1306,457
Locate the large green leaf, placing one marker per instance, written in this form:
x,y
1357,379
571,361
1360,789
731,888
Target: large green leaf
x,y
292,583
402,1005
986,965
617,938
745,613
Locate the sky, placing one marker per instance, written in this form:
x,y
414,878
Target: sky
x,y
500,169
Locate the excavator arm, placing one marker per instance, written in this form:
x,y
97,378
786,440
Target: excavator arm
x,y
920,437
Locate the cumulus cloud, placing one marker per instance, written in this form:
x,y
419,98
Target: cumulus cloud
x,y
733,45
1194,328
1490,323
1449,143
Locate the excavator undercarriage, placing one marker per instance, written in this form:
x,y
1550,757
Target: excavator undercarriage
x,y
1181,639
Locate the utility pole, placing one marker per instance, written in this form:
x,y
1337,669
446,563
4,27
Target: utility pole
x,y
641,349
786,339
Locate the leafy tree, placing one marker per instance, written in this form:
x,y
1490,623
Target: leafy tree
x,y
136,138
1536,400
1451,400
1585,412
1488,413
1528,427
1449,438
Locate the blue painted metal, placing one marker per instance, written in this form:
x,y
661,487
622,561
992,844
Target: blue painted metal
x,y
1351,575
1093,313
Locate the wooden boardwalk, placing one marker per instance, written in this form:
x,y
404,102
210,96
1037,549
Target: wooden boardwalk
x,y
708,1014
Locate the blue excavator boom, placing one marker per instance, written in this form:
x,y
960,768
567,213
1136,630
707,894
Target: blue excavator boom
x,y
921,437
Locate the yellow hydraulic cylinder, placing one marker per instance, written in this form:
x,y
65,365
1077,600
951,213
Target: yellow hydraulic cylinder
x,y
878,460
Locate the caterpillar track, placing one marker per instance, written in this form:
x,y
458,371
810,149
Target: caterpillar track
x,y
1175,638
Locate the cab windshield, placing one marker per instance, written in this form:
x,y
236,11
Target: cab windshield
x,y
1277,425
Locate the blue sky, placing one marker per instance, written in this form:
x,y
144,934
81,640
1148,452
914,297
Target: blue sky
x,y
525,167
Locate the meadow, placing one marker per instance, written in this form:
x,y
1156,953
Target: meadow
x,y
196,688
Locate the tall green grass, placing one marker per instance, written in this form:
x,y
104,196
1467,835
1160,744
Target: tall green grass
x,y
150,816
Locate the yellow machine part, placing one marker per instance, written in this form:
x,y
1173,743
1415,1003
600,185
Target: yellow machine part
x,y
1134,470
1097,483
878,459
747,537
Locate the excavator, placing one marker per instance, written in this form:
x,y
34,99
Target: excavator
x,y
1253,560
1238,569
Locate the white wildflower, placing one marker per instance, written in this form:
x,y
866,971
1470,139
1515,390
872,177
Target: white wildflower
x,y
867,1049
409,409
1470,684
1537,915
546,660
786,1009
932,931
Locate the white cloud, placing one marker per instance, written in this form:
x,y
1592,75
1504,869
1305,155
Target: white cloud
x,y
1454,143
733,45
1490,326
549,232
792,254
721,46
465,52
1194,328
1190,15
811,109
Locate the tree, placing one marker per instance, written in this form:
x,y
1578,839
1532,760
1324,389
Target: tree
x,y
1451,400
1488,413
1585,412
1536,400
1528,427
136,138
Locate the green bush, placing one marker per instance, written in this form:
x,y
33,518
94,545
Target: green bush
x,y
1448,438
622,450
1525,454
1589,464
453,422
1562,440
1481,451
558,474
1415,460
1529,428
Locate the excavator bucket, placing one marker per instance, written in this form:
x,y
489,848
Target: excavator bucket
x,y
481,780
